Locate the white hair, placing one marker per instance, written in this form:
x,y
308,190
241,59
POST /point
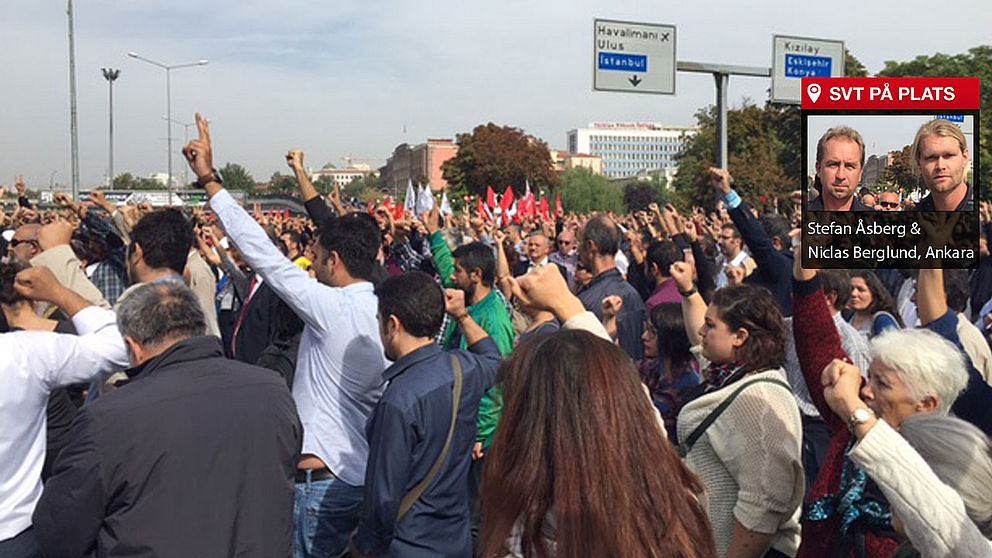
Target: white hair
x,y
961,456
926,362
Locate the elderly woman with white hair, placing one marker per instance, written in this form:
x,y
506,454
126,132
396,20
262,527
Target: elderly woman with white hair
x,y
918,371
935,473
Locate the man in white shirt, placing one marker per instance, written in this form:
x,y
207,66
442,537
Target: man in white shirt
x,y
339,369
732,254
32,364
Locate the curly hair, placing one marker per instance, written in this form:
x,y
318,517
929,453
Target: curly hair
x,y
753,309
8,271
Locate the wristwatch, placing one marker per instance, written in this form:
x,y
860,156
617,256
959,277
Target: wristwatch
x,y
858,417
214,176
690,292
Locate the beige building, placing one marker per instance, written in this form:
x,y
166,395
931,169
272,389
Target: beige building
x,y
345,176
629,149
563,160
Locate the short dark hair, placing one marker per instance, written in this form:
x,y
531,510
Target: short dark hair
x,y
776,226
8,272
664,254
604,233
838,283
355,240
957,288
165,237
476,255
157,312
416,301
732,228
753,308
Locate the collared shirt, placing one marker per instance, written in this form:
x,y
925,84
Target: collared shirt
x,y
630,321
967,204
339,368
666,292
854,343
406,434
32,364
856,205
110,283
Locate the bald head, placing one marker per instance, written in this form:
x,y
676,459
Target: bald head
x,y
24,245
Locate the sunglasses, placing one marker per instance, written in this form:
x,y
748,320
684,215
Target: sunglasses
x,y
888,204
15,242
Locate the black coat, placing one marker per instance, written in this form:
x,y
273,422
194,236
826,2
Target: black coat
x,y
196,456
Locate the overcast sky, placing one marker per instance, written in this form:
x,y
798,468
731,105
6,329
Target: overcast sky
x,y
347,77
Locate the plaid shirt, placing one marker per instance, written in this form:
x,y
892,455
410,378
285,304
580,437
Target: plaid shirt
x,y
108,281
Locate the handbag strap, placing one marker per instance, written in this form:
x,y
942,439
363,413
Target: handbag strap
x,y
418,490
686,446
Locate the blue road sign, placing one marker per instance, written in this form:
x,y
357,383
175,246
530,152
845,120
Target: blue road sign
x,y
956,118
801,65
623,62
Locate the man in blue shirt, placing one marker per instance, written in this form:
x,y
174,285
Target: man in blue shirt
x,y
410,425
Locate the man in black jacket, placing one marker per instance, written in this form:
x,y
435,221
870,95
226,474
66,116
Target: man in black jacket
x,y
196,456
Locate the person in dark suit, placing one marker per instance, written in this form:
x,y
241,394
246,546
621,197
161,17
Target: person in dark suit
x,y
195,456
538,248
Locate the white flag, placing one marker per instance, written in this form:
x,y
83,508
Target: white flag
x,y
410,203
445,206
425,200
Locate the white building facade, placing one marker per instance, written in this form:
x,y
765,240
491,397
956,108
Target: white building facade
x,y
629,149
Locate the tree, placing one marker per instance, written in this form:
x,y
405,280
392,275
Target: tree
x,y
282,184
977,62
360,185
237,178
758,155
499,156
127,181
639,194
583,192
902,173
853,68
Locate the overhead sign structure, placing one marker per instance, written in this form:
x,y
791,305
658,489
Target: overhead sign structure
x,y
633,57
794,58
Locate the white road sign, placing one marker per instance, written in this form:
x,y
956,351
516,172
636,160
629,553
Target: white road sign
x,y
633,57
794,58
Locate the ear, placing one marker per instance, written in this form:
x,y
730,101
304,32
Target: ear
x,y
928,404
831,299
740,337
777,244
134,350
137,252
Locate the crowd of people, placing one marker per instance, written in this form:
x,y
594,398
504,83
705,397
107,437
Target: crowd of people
x,y
352,382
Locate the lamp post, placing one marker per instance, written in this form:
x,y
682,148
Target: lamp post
x,y
73,127
186,126
111,75
168,103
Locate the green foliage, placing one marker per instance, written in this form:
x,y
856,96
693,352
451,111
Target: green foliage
x,y
639,194
127,181
499,156
977,62
237,178
282,184
902,173
762,144
583,192
324,184
357,187
853,68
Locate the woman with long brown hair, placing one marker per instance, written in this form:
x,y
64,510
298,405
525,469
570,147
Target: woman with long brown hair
x,y
580,465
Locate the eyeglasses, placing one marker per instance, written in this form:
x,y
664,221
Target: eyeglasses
x,y
888,204
15,242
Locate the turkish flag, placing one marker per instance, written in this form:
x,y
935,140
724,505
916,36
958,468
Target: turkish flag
x,y
507,202
490,198
545,209
558,208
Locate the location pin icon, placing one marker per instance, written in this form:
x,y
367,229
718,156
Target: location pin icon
x,y
813,91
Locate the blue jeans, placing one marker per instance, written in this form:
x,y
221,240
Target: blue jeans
x,y
325,514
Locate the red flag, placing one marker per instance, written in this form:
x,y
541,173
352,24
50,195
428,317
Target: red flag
x,y
482,210
558,208
397,212
545,210
371,208
505,218
490,198
507,202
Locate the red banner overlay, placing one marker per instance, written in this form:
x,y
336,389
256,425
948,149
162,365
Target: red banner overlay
x,y
934,94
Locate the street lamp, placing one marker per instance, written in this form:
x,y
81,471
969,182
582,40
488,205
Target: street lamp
x,y
186,126
111,75
168,101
